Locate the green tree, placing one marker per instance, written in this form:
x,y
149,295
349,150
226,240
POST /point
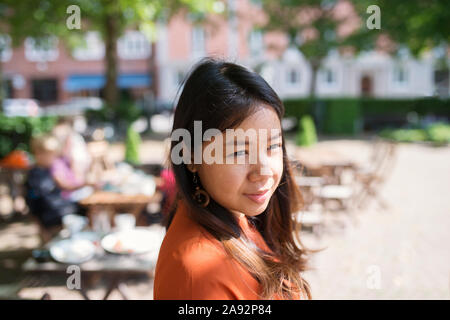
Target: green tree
x,y
310,26
416,24
109,17
112,17
38,19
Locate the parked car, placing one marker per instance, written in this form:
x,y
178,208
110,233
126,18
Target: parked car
x,y
21,108
75,106
85,103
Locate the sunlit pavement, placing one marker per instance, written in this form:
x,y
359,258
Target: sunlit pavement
x,y
400,253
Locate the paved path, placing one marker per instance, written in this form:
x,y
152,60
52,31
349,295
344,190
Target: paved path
x,y
403,253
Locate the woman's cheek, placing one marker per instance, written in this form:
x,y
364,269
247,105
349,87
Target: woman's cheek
x,y
276,164
222,178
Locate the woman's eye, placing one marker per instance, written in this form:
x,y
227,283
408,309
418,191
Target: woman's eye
x,y
239,153
274,146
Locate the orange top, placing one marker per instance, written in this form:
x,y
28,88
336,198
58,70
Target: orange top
x,y
192,264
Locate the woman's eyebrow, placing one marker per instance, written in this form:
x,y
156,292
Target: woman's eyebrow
x,y
237,143
276,135
240,142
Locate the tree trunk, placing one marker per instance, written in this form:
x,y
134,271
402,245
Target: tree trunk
x,y
315,65
111,62
318,111
2,87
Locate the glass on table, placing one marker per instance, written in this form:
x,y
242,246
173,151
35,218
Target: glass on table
x,y
74,223
101,222
124,221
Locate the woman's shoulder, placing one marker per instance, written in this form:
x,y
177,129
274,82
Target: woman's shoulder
x,y
193,265
189,243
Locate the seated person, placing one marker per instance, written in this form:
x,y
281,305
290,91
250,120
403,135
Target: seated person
x,y
43,194
72,187
73,148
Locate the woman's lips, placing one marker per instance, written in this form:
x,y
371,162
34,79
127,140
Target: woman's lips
x,y
258,197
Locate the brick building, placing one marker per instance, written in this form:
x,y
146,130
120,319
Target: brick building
x,y
53,75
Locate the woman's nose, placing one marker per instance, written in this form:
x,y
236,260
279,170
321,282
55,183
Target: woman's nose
x,y
261,170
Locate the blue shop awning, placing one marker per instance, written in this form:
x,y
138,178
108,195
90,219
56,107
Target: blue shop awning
x,y
77,82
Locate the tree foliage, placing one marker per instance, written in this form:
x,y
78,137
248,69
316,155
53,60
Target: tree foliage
x,y
43,18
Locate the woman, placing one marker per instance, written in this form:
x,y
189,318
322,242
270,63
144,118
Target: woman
x,y
231,235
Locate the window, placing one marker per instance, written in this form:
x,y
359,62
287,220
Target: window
x,y
293,76
5,48
41,50
133,46
441,82
400,75
45,90
256,43
8,88
329,76
198,41
94,48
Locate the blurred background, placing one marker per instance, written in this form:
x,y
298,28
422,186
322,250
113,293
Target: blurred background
x,y
366,89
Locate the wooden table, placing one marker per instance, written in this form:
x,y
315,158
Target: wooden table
x,y
309,181
323,162
114,203
114,269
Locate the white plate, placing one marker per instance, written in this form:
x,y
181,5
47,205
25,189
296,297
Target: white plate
x,y
72,251
135,241
88,235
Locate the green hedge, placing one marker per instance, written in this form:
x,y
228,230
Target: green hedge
x,y
439,133
347,115
298,107
342,116
422,106
16,132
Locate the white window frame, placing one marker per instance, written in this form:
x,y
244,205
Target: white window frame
x,y
5,41
289,72
395,80
36,54
94,50
256,43
133,45
198,41
324,73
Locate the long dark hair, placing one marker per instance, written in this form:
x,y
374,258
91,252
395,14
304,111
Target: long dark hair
x,y
222,95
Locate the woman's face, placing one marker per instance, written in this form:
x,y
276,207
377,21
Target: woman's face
x,y
246,185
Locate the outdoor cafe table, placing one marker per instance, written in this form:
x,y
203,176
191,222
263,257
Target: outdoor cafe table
x,y
114,203
114,269
320,162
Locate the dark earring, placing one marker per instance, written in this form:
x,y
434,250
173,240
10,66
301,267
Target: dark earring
x,y
200,196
